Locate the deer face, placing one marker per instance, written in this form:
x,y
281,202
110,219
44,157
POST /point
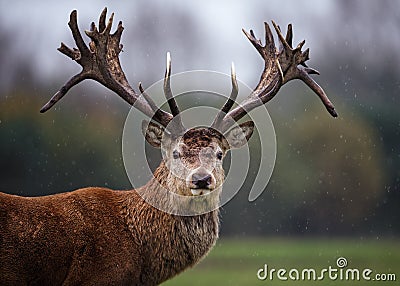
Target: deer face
x,y
194,159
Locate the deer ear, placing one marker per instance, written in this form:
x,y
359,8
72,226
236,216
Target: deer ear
x,y
153,133
239,135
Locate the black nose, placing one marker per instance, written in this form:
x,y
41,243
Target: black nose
x,y
201,181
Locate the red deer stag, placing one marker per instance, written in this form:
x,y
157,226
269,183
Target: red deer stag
x,y
98,236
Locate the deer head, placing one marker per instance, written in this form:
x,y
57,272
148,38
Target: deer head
x,y
192,157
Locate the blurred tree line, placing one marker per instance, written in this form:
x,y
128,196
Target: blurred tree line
x,y
332,177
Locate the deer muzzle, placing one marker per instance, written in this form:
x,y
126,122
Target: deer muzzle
x,y
200,181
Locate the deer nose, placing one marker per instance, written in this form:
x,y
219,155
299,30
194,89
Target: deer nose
x,y
201,180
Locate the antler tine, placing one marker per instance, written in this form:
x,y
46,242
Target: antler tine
x,y
102,19
63,91
100,62
304,76
148,98
76,34
229,103
76,55
284,45
289,35
281,66
170,98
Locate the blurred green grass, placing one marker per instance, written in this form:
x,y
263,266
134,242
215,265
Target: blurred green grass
x,y
235,262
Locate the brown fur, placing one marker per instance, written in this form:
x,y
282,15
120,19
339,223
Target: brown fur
x,y
201,137
98,236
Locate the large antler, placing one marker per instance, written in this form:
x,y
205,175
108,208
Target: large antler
x,y
281,66
100,62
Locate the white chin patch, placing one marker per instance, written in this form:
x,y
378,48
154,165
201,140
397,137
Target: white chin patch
x,y
199,192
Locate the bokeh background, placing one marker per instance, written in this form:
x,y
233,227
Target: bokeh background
x,y
335,180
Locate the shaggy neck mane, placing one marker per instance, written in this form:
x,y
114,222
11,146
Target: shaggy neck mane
x,y
170,242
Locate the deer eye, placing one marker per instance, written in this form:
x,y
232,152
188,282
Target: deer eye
x,y
175,154
219,155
